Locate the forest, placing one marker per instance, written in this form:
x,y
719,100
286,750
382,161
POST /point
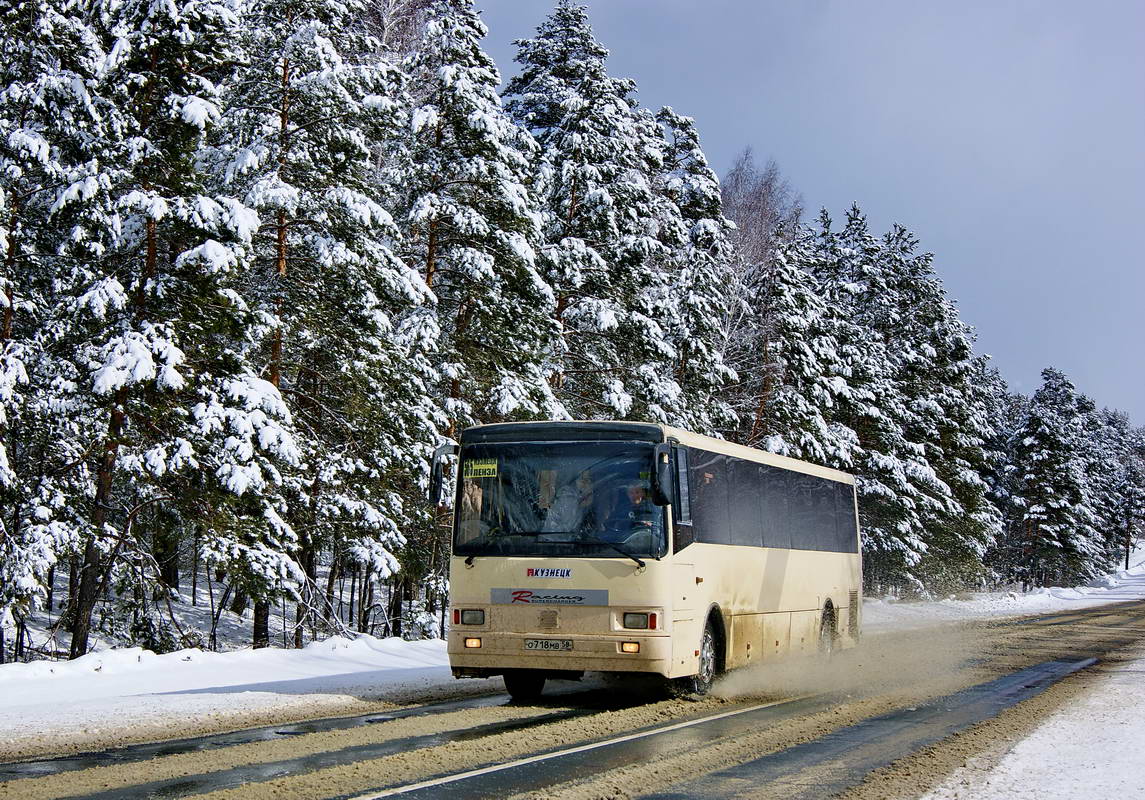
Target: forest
x,y
259,258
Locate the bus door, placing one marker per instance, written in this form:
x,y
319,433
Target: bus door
x,y
685,591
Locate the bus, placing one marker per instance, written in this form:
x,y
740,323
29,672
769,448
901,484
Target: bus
x,y
627,547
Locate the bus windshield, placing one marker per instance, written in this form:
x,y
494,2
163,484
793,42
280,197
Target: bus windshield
x,y
567,499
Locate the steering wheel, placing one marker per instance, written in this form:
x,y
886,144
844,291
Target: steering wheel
x,y
617,524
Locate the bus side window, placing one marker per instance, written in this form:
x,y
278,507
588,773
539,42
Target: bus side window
x,y
848,540
776,517
709,485
744,500
682,502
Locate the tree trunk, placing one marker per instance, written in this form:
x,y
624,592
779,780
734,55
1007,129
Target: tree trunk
x,y
557,379
302,610
394,612
353,597
364,599
51,587
214,619
261,633
195,569
330,579
239,603
431,255
69,612
140,609
9,278
1128,542
89,572
369,607
261,624
764,396
431,243
281,230
165,548
5,336
85,599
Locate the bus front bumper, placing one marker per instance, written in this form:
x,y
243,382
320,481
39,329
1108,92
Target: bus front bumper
x,y
589,653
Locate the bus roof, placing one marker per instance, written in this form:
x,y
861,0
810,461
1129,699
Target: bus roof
x,y
617,430
754,454
564,431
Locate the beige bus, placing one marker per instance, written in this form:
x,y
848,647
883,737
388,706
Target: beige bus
x,y
623,547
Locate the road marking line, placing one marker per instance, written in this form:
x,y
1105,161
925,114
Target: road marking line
x,y
460,776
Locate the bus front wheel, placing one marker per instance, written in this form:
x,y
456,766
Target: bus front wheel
x,y
701,683
524,685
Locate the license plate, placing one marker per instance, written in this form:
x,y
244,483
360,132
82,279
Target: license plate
x,y
548,644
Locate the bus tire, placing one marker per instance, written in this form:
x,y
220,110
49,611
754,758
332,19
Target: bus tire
x,y
700,684
827,632
524,685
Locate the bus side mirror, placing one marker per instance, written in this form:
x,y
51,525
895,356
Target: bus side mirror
x,y
437,472
662,476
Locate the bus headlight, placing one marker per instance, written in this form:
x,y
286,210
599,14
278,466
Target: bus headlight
x,y
639,619
630,647
472,616
473,642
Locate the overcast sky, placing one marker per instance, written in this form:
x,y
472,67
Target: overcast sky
x,y
1009,136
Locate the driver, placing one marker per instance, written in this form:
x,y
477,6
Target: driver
x,y
637,513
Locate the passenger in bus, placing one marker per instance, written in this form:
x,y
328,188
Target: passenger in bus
x,y
571,509
471,525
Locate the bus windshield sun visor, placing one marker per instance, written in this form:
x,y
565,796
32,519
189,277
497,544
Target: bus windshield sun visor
x,y
563,499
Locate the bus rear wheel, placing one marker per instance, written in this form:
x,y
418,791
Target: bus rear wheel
x,y
524,685
827,632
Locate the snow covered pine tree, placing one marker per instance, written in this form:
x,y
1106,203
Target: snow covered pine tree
x,y
49,186
472,226
1050,521
340,333
168,427
694,307
601,255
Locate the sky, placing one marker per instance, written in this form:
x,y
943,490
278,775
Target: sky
x,y
1008,136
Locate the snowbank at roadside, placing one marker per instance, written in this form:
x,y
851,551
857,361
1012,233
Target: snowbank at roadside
x,y
337,665
1118,586
114,697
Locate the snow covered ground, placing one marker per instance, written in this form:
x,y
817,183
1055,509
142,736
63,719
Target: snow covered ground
x,y
1092,749
61,706
1116,587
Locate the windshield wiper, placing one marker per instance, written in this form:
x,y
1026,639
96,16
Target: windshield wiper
x,y
497,532
587,539
582,538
